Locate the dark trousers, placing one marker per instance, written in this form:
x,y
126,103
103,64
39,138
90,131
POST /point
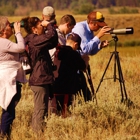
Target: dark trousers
x,y
8,115
83,88
62,102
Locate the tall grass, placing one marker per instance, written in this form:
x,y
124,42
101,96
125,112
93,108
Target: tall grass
x,y
109,119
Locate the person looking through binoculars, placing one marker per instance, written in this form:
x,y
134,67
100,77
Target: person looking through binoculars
x,y
11,73
41,78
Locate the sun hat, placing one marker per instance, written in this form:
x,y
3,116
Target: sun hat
x,y
48,11
97,16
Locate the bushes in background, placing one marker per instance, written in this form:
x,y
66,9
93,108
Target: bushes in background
x,y
123,10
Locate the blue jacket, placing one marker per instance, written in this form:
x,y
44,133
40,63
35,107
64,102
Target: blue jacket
x,y
89,43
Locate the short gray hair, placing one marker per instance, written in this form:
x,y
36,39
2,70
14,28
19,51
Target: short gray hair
x,y
3,22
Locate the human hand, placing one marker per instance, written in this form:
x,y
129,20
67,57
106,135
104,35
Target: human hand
x,y
45,23
17,27
104,44
103,31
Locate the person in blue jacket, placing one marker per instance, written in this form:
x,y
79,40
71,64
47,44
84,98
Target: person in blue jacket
x,y
90,44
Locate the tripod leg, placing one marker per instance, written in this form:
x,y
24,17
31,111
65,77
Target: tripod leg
x,y
121,79
114,76
104,72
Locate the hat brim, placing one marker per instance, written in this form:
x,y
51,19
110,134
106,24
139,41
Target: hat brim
x,y
101,24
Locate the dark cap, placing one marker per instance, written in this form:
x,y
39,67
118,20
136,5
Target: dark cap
x,y
75,37
97,16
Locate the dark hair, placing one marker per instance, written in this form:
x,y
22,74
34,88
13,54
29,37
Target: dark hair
x,y
74,37
30,22
68,19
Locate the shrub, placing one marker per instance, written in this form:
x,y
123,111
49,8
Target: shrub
x,y
132,43
7,10
123,10
82,9
85,8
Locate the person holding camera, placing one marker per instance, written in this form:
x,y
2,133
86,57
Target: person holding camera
x,y
11,73
41,36
90,44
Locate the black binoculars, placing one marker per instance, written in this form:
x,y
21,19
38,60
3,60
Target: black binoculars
x,y
21,24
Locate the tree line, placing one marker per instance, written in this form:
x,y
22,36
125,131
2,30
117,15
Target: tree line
x,y
21,7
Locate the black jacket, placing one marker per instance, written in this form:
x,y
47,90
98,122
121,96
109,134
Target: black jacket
x,y
71,62
38,46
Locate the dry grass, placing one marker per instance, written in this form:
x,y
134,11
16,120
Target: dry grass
x,y
109,119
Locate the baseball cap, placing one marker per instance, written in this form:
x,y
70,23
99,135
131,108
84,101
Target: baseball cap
x,y
97,16
48,11
75,37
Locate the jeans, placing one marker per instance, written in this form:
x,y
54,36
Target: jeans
x,y
8,115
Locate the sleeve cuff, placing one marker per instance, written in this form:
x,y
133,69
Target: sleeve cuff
x,y
99,46
17,33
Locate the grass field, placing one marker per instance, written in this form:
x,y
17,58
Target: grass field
x,y
109,119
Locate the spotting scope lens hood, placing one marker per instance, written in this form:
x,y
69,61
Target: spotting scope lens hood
x,y
123,31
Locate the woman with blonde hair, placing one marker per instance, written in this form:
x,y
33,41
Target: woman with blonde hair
x,y
11,73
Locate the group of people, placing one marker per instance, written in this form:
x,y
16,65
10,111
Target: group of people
x,y
66,46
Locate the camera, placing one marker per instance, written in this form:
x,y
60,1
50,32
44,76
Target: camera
x,y
21,24
128,30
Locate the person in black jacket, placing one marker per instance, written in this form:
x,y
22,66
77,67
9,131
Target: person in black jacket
x,y
66,84
39,42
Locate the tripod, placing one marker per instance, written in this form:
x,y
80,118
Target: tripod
x,y
116,65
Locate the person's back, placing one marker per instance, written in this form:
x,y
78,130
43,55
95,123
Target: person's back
x,y
67,79
66,84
